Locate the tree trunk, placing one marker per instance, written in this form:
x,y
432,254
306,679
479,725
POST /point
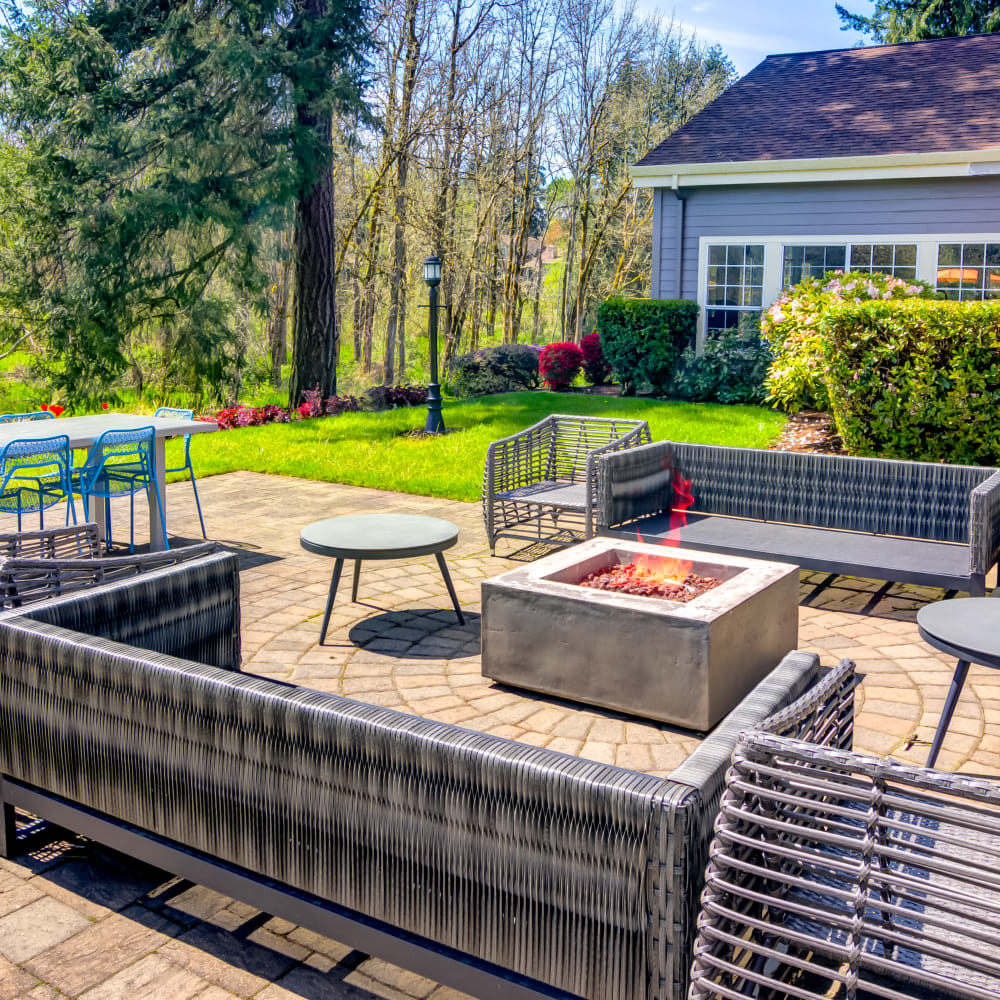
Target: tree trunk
x,y
277,330
314,355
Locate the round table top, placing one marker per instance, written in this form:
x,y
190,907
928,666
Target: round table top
x,y
968,628
379,536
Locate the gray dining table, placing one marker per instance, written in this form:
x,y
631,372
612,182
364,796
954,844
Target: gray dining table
x,y
83,432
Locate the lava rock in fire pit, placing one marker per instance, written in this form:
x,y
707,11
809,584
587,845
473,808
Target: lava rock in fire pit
x,y
642,582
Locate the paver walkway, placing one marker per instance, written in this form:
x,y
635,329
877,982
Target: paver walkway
x,y
79,921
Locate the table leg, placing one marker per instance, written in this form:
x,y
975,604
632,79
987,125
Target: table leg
x,y
443,566
334,583
357,577
957,683
157,538
100,511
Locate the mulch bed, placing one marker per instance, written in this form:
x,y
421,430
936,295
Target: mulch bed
x,y
810,432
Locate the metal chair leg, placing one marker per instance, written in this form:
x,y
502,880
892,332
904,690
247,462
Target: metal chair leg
x,y
334,583
8,830
197,503
357,577
957,683
443,566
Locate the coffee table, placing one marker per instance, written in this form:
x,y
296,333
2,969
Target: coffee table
x,y
379,536
969,630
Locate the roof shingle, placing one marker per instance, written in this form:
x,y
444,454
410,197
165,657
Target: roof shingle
x,y
917,97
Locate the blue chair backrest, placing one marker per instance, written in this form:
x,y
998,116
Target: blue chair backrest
x,y
131,446
34,453
181,414
16,418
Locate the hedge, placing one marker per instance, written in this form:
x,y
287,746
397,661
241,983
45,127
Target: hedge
x,y
916,379
643,338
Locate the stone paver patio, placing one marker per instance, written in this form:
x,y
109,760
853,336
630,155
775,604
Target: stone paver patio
x,y
79,921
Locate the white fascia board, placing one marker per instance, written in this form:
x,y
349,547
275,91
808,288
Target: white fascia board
x,y
959,163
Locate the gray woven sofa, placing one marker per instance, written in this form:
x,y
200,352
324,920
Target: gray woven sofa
x,y
501,869
912,522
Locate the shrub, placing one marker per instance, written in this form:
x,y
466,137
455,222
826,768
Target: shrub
x,y
643,338
388,397
559,364
792,327
506,368
917,380
595,366
732,369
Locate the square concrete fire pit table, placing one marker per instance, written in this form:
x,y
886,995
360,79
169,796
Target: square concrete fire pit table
x,y
684,663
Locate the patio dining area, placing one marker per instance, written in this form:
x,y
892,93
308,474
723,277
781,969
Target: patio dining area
x,y
79,920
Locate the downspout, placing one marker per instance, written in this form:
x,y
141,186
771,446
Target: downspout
x,y
679,276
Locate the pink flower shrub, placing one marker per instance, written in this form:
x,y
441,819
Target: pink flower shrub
x,y
559,364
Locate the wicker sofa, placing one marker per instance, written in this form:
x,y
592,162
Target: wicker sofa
x,y
912,522
838,874
501,869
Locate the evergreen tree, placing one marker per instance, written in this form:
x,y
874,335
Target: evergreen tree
x,y
911,20
159,141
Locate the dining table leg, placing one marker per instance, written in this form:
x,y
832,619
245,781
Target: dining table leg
x,y
157,538
100,512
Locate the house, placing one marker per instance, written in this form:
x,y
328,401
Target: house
x,y
883,158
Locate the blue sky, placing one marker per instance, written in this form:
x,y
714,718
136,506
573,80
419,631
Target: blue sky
x,y
748,30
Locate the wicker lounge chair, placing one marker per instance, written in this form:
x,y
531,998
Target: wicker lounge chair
x,y
550,471
76,541
835,874
498,868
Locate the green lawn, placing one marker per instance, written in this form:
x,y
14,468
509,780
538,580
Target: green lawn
x,y
373,449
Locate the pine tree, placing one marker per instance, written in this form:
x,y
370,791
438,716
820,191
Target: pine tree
x,y
160,140
911,20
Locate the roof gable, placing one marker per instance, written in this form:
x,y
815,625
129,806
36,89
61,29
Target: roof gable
x,y
919,97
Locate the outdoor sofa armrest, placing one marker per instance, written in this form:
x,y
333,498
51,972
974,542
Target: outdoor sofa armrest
x,y
634,438
190,610
75,541
635,482
984,526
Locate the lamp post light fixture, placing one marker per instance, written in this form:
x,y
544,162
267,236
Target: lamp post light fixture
x,y
432,275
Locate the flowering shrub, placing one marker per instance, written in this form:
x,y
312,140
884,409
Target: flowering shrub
x,y
595,366
792,327
559,364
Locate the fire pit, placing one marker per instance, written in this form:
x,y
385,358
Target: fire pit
x,y
548,628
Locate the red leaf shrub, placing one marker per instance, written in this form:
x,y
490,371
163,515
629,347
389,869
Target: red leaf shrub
x,y
559,364
595,367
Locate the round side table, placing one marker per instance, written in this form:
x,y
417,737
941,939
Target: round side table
x,y
379,536
969,630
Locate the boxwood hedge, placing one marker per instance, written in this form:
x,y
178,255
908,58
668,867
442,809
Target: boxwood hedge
x,y
916,379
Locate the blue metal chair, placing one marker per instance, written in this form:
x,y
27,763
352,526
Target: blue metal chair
x,y
35,474
121,463
170,411
16,418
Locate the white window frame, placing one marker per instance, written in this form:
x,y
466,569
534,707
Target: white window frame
x,y
774,253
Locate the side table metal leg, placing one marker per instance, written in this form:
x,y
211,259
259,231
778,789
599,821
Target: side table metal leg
x,y
957,683
357,577
334,583
443,566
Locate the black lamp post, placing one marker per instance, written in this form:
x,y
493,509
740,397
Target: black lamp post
x,y
432,275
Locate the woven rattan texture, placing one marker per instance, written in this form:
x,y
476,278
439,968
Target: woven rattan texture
x,y
837,874
193,614
557,451
78,541
882,496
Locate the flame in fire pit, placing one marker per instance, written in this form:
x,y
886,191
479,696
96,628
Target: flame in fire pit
x,y
655,570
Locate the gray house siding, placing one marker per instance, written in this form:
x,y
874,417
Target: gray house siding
x,y
912,207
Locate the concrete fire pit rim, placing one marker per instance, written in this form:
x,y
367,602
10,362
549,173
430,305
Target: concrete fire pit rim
x,y
755,574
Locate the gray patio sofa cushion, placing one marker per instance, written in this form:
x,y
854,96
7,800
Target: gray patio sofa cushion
x,y
579,875
914,522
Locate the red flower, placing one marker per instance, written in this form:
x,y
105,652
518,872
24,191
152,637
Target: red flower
x,y
104,406
56,409
45,406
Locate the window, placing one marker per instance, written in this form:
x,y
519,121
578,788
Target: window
x,y
969,271
896,259
735,284
811,262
